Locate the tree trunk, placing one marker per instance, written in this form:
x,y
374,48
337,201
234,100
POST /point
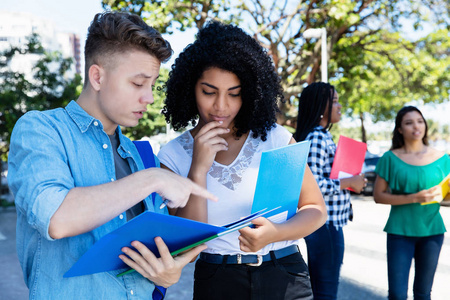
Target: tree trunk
x,y
363,129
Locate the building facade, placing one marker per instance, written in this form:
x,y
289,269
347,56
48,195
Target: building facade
x,y
17,27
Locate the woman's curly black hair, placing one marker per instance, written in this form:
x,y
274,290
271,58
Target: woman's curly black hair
x,y
229,48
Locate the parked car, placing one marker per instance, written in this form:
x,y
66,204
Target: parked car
x,y
370,162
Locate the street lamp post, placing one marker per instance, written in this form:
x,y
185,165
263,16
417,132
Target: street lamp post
x,y
320,33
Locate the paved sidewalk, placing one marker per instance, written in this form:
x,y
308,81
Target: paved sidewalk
x,y
12,286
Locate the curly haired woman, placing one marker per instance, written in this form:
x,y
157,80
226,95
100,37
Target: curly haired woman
x,y
227,81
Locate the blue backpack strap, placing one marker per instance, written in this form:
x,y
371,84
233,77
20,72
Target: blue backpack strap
x,y
159,293
146,152
148,158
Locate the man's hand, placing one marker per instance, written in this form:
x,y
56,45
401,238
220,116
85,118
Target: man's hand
x,y
163,271
86,208
177,189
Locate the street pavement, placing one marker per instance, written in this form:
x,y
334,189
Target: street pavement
x,y
363,275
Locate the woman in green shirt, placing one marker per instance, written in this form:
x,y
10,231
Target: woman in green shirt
x,y
407,178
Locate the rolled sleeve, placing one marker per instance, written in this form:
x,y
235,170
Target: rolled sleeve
x,y
38,173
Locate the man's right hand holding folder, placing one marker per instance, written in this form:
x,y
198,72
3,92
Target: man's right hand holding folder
x,y
164,270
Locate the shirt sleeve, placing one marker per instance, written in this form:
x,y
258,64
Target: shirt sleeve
x,y
279,136
318,162
382,167
447,165
38,172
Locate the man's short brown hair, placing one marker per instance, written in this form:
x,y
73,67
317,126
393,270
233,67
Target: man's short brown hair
x,y
119,32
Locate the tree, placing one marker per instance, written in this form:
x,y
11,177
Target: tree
x,y
46,88
370,63
169,16
393,74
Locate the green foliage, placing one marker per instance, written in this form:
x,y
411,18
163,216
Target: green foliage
x,y
351,132
4,203
46,88
374,68
169,15
393,72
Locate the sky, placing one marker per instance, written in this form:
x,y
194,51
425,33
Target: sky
x,y
75,16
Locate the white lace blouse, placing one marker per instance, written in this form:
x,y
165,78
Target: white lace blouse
x,y
234,184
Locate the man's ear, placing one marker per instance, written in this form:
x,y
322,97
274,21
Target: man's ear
x,y
95,76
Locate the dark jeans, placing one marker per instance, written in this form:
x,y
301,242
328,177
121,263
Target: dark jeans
x,y
325,255
400,252
284,278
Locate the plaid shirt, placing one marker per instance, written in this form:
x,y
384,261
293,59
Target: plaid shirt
x,y
320,160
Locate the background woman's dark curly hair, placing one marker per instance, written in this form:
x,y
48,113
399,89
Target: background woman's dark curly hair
x,y
229,48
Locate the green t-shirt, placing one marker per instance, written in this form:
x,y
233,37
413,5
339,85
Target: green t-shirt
x,y
413,219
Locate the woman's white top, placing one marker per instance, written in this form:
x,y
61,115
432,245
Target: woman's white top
x,y
233,184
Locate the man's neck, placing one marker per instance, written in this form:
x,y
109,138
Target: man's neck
x,y
88,101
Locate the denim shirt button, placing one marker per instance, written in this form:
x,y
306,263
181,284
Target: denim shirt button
x,y
105,146
121,216
131,292
95,123
112,179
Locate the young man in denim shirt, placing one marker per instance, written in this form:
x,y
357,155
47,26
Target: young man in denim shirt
x,y
76,178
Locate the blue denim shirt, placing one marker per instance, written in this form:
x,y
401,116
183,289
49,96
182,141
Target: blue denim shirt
x,y
52,152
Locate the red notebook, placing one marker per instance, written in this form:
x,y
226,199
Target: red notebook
x,y
349,158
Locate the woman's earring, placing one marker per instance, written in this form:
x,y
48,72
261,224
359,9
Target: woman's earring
x,y
321,116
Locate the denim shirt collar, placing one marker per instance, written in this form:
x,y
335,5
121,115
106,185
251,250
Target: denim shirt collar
x,y
80,116
84,120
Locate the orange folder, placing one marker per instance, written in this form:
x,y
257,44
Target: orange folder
x,y
349,158
444,191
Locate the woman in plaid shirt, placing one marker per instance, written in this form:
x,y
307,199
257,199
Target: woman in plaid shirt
x,y
319,108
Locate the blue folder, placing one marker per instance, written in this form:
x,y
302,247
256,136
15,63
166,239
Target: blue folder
x,y
178,234
280,179
277,193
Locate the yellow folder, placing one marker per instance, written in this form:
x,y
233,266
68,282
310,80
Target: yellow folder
x,y
444,191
